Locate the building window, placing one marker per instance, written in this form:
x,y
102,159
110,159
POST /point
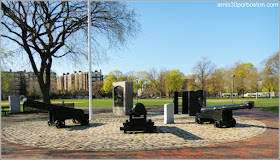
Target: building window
x,y
98,79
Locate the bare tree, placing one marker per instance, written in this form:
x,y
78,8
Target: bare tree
x,y
202,70
46,29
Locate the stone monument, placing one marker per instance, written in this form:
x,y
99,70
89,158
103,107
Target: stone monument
x,y
168,113
122,97
14,103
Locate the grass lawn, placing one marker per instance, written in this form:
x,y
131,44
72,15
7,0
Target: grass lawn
x,y
271,109
274,103
161,102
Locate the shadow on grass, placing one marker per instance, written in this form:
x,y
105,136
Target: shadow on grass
x,y
274,109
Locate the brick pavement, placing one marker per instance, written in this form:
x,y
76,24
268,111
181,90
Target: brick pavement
x,y
264,146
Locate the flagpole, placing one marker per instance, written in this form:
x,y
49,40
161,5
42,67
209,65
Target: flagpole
x,y
89,62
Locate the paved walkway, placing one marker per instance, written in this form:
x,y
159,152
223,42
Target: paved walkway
x,y
264,146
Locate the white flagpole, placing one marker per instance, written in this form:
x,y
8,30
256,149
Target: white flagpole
x,y
89,62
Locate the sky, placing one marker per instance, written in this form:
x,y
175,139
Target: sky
x,y
176,35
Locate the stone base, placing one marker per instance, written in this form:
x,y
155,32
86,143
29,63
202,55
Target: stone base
x,y
122,97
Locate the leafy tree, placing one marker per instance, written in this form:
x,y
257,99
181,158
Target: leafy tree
x,y
6,78
191,84
254,81
142,81
108,84
185,83
97,88
271,74
47,30
203,69
217,82
242,75
119,75
174,81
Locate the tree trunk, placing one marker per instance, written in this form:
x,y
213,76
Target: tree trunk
x,y
46,96
44,78
44,87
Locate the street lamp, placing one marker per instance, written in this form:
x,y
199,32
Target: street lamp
x,y
232,88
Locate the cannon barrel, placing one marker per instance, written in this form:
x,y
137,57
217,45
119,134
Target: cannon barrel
x,y
138,109
58,114
48,106
247,105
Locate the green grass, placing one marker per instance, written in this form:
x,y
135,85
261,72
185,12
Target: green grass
x,y
258,102
161,102
271,109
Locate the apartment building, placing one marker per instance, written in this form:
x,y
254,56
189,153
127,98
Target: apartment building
x,y
78,81
24,83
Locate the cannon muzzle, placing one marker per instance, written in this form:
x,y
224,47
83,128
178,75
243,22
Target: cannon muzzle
x,y
138,109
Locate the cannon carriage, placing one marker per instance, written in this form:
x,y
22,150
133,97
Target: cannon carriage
x,y
221,116
138,120
58,114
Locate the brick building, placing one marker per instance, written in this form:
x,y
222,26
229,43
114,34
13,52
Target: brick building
x,y
24,83
78,81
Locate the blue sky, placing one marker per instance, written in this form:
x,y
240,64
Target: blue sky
x,y
176,35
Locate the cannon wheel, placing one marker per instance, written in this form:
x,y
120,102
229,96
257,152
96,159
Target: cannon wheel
x,y
198,120
232,123
150,127
74,121
218,124
84,122
125,127
59,124
49,123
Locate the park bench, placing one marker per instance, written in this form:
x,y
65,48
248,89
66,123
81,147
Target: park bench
x,y
3,110
71,105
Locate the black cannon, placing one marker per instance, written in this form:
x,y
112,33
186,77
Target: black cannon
x,y
58,114
138,120
221,115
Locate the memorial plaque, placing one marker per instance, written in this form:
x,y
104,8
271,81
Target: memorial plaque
x,y
118,96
